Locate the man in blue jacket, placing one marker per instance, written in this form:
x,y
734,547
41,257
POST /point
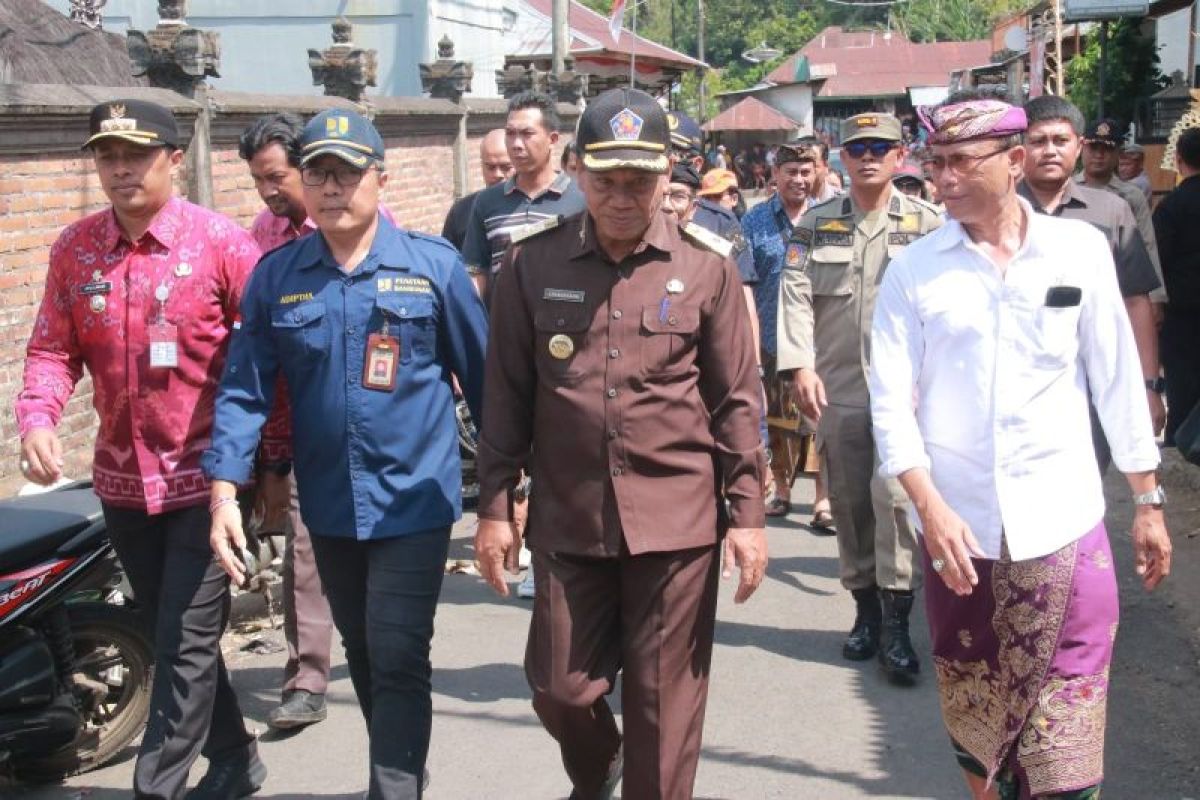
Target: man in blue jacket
x,y
366,322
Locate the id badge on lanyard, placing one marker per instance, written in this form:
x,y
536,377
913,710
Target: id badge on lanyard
x,y
382,361
164,337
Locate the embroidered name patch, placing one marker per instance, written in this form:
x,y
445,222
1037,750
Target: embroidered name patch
x,y
824,238
299,297
563,295
406,285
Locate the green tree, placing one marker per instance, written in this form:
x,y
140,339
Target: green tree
x,y
951,20
1131,71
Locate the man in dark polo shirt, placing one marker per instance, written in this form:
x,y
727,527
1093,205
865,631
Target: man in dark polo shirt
x,y
629,333
535,193
1053,141
494,167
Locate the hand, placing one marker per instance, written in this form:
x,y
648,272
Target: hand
x,y
1158,412
226,539
41,456
1151,546
949,538
809,391
496,546
273,501
745,548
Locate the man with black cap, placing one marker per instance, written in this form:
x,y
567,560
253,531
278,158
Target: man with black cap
x,y
618,326
366,322
835,259
144,295
1102,142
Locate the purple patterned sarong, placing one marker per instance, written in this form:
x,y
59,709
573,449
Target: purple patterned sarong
x,y
1022,663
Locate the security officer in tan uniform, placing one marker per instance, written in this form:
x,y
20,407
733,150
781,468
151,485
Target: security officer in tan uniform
x,y
832,270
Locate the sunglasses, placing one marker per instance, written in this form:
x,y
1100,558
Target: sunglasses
x,y
878,149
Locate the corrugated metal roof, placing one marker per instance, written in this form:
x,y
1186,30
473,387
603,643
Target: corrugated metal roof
x,y
877,64
590,34
750,114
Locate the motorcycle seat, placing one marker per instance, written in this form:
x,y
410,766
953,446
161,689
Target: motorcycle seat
x,y
32,528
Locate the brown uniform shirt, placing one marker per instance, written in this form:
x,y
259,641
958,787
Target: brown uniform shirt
x,y
628,390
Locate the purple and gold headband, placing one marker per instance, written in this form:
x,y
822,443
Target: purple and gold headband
x,y
971,119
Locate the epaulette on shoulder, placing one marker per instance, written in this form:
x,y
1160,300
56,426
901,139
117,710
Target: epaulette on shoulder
x,y
837,198
534,228
708,240
925,204
429,237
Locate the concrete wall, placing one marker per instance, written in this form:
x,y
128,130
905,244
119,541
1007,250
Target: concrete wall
x,y
265,43
47,183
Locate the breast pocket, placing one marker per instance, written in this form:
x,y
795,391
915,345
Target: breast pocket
x,y
411,317
562,336
302,333
1056,336
830,273
668,338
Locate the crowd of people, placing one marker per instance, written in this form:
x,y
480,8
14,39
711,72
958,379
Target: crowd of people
x,y
956,345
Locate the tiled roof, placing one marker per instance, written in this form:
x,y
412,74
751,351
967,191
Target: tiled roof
x,y
590,34
750,114
876,64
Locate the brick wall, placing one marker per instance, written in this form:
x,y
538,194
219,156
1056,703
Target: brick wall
x,y
45,184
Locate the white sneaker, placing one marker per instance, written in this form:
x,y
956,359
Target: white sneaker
x,y
525,588
524,557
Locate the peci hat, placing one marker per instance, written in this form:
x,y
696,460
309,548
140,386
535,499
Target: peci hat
x,y
685,175
871,126
685,132
716,182
343,133
1105,131
137,121
1133,149
624,128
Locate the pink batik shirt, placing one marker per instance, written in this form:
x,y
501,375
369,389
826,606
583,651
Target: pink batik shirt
x,y
105,297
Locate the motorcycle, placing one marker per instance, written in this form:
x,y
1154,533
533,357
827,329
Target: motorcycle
x,y
75,667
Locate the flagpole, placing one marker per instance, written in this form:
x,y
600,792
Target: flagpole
x,y
633,50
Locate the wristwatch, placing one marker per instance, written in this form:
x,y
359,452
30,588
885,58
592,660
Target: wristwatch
x,y
522,489
1156,385
1157,497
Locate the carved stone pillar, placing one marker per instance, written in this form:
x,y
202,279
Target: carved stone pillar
x,y
174,55
446,78
344,69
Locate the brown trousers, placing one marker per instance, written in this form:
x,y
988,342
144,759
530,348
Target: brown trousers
x,y
784,426
649,615
307,621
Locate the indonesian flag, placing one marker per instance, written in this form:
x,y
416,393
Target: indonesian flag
x,y
614,19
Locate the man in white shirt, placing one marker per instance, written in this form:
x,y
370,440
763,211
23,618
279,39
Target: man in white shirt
x,y
987,333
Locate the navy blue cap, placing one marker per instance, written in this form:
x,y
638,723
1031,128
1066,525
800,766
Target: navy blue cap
x,y
685,132
346,134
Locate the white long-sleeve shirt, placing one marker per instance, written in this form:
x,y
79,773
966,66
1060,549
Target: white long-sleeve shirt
x,y
1000,381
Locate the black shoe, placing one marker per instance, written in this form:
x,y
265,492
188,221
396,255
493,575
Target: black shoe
x,y
863,641
231,778
299,708
897,656
615,771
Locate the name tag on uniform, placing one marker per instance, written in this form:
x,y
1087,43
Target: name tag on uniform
x,y
903,238
837,238
379,367
1063,296
164,345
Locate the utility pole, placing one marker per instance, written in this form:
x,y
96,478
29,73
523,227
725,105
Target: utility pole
x,y
700,55
559,38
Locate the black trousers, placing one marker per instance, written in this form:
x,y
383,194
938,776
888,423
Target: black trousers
x,y
183,599
1180,354
383,594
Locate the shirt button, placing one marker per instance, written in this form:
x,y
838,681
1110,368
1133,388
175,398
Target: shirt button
x,y
612,392
616,314
612,433
617,472
560,322
349,331
614,353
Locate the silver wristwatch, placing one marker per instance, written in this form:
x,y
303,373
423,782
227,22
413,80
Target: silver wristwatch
x,y
1156,497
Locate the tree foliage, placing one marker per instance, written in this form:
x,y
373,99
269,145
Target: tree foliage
x,y
951,20
1131,72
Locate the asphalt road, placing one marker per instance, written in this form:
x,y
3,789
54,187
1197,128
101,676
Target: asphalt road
x,y
787,717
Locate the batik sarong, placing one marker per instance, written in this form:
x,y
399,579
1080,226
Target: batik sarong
x,y
1022,664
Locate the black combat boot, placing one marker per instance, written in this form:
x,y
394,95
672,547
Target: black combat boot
x,y
896,655
863,640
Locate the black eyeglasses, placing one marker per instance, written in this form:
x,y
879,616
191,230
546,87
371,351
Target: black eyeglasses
x,y
343,174
878,149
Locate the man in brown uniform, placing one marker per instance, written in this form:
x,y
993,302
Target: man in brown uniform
x,y
621,373
832,269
